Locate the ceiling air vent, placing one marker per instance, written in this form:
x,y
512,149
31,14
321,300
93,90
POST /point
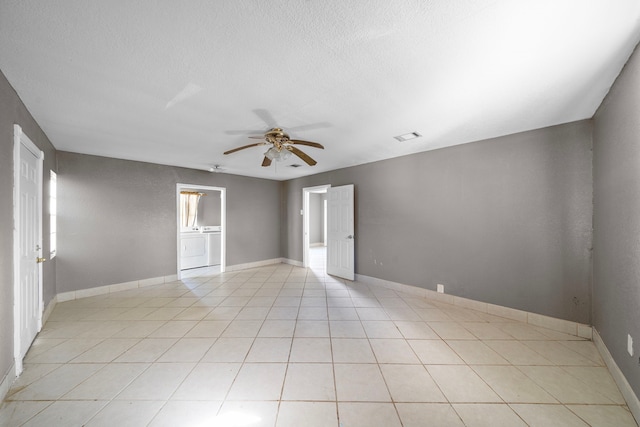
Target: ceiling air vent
x,y
407,136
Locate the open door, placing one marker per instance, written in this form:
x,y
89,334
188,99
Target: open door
x,y
340,234
28,304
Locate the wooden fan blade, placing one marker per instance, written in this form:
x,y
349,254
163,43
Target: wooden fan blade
x,y
245,146
256,137
266,162
309,143
308,160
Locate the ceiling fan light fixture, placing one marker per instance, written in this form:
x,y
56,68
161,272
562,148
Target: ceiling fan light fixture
x,y
407,136
278,155
271,153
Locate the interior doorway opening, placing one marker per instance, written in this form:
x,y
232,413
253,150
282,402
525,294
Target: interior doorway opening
x,y
314,213
201,230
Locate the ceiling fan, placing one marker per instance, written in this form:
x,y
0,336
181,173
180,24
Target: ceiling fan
x,y
281,147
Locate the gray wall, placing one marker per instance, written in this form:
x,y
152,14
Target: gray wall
x,y
506,221
117,219
316,218
13,111
616,268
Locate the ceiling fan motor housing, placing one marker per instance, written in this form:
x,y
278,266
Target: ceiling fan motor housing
x,y
277,137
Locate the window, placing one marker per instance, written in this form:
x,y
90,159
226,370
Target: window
x,y
53,242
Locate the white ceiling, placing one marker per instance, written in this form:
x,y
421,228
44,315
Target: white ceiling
x,y
174,82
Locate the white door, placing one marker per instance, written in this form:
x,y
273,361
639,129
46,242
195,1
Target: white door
x,y
28,288
340,234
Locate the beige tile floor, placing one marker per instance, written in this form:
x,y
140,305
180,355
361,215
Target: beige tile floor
x,y
286,346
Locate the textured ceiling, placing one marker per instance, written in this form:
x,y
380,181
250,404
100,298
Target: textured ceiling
x,y
179,82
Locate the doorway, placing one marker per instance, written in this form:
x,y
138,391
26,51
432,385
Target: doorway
x,y
201,244
314,218
27,241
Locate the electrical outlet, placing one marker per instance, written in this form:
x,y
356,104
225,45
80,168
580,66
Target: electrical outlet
x,y
630,345
440,288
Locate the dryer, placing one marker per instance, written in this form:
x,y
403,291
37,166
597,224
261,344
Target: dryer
x,y
213,233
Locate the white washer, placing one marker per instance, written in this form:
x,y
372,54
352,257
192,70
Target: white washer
x,y
193,250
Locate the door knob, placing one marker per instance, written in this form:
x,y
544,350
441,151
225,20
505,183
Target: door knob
x,y
40,260
349,236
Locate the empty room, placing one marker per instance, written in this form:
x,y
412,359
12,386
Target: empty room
x,y
333,214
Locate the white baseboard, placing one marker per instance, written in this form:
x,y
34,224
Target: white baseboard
x,y
117,287
49,309
254,264
7,381
292,262
627,392
559,325
316,245
264,263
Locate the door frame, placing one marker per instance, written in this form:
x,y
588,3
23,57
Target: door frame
x,y
305,220
223,221
21,139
